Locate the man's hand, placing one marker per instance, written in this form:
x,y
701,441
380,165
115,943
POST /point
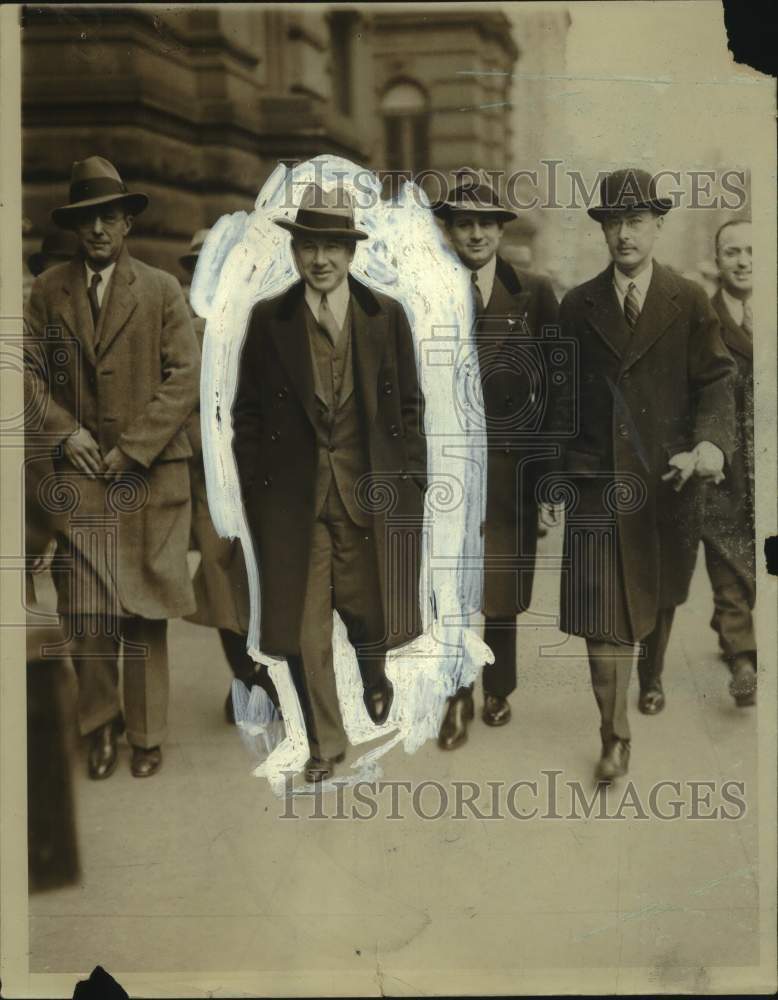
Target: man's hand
x,y
43,562
710,462
551,514
116,462
82,451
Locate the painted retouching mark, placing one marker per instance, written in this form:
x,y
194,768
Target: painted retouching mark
x,y
247,258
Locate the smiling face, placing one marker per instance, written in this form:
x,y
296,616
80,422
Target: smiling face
x,y
734,259
475,236
631,237
322,261
101,234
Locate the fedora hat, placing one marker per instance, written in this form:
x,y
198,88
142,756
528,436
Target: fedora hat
x,y
324,213
189,259
57,246
629,190
95,181
477,197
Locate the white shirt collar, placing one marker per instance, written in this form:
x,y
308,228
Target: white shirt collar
x,y
734,306
105,274
621,283
484,276
337,300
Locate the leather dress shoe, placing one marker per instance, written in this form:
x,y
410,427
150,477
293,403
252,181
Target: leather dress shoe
x,y
742,687
378,700
145,761
320,768
103,750
652,699
497,711
614,762
460,711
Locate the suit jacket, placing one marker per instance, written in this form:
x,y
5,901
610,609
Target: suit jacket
x,y
136,391
276,452
513,355
642,396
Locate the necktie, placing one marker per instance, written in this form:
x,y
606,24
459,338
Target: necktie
x,y
328,322
631,307
748,318
94,302
478,299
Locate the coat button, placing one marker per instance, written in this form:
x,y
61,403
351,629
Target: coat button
x,y
623,430
394,430
275,436
387,388
268,481
508,402
625,376
282,393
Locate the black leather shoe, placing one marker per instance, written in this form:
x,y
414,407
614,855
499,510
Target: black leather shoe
x,y
378,700
614,762
460,711
742,687
652,699
103,750
321,768
145,762
497,711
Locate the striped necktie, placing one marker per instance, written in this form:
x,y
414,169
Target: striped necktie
x,y
94,302
748,318
328,322
631,306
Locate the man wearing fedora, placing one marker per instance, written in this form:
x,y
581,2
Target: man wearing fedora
x,y
112,344
655,420
329,416
729,508
512,306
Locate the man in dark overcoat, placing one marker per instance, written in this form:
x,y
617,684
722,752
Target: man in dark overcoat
x,y
329,443
512,308
111,342
729,507
655,419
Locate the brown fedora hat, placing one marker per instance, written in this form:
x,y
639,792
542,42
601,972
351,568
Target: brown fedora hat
x,y
57,246
474,196
189,260
324,213
96,181
629,190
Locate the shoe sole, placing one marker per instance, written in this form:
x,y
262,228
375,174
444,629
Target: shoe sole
x,y
108,773
496,723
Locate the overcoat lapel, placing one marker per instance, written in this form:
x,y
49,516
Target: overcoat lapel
x,y
506,310
75,309
659,311
370,337
118,304
735,337
290,335
605,315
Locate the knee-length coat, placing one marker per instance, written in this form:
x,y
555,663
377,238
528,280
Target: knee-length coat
x,y
125,543
642,396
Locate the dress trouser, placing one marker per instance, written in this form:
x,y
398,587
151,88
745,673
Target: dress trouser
x,y
499,678
242,665
732,600
610,665
95,649
342,574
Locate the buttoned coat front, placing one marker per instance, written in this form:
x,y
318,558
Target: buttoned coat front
x,y
643,395
126,542
276,453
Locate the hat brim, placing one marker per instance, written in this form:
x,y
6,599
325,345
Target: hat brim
x,y
659,205
444,210
334,233
64,216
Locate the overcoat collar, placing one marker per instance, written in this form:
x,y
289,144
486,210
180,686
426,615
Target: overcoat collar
x,y
508,302
117,306
369,325
734,336
658,312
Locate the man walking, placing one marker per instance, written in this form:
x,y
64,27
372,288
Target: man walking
x,y
112,343
327,409
729,508
654,403
511,308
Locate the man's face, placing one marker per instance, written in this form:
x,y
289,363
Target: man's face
x,y
322,261
631,237
475,237
101,234
733,256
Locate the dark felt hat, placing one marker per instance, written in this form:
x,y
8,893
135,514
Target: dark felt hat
x,y
95,181
629,190
57,246
472,196
324,213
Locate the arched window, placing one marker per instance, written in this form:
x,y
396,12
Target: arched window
x,y
405,110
